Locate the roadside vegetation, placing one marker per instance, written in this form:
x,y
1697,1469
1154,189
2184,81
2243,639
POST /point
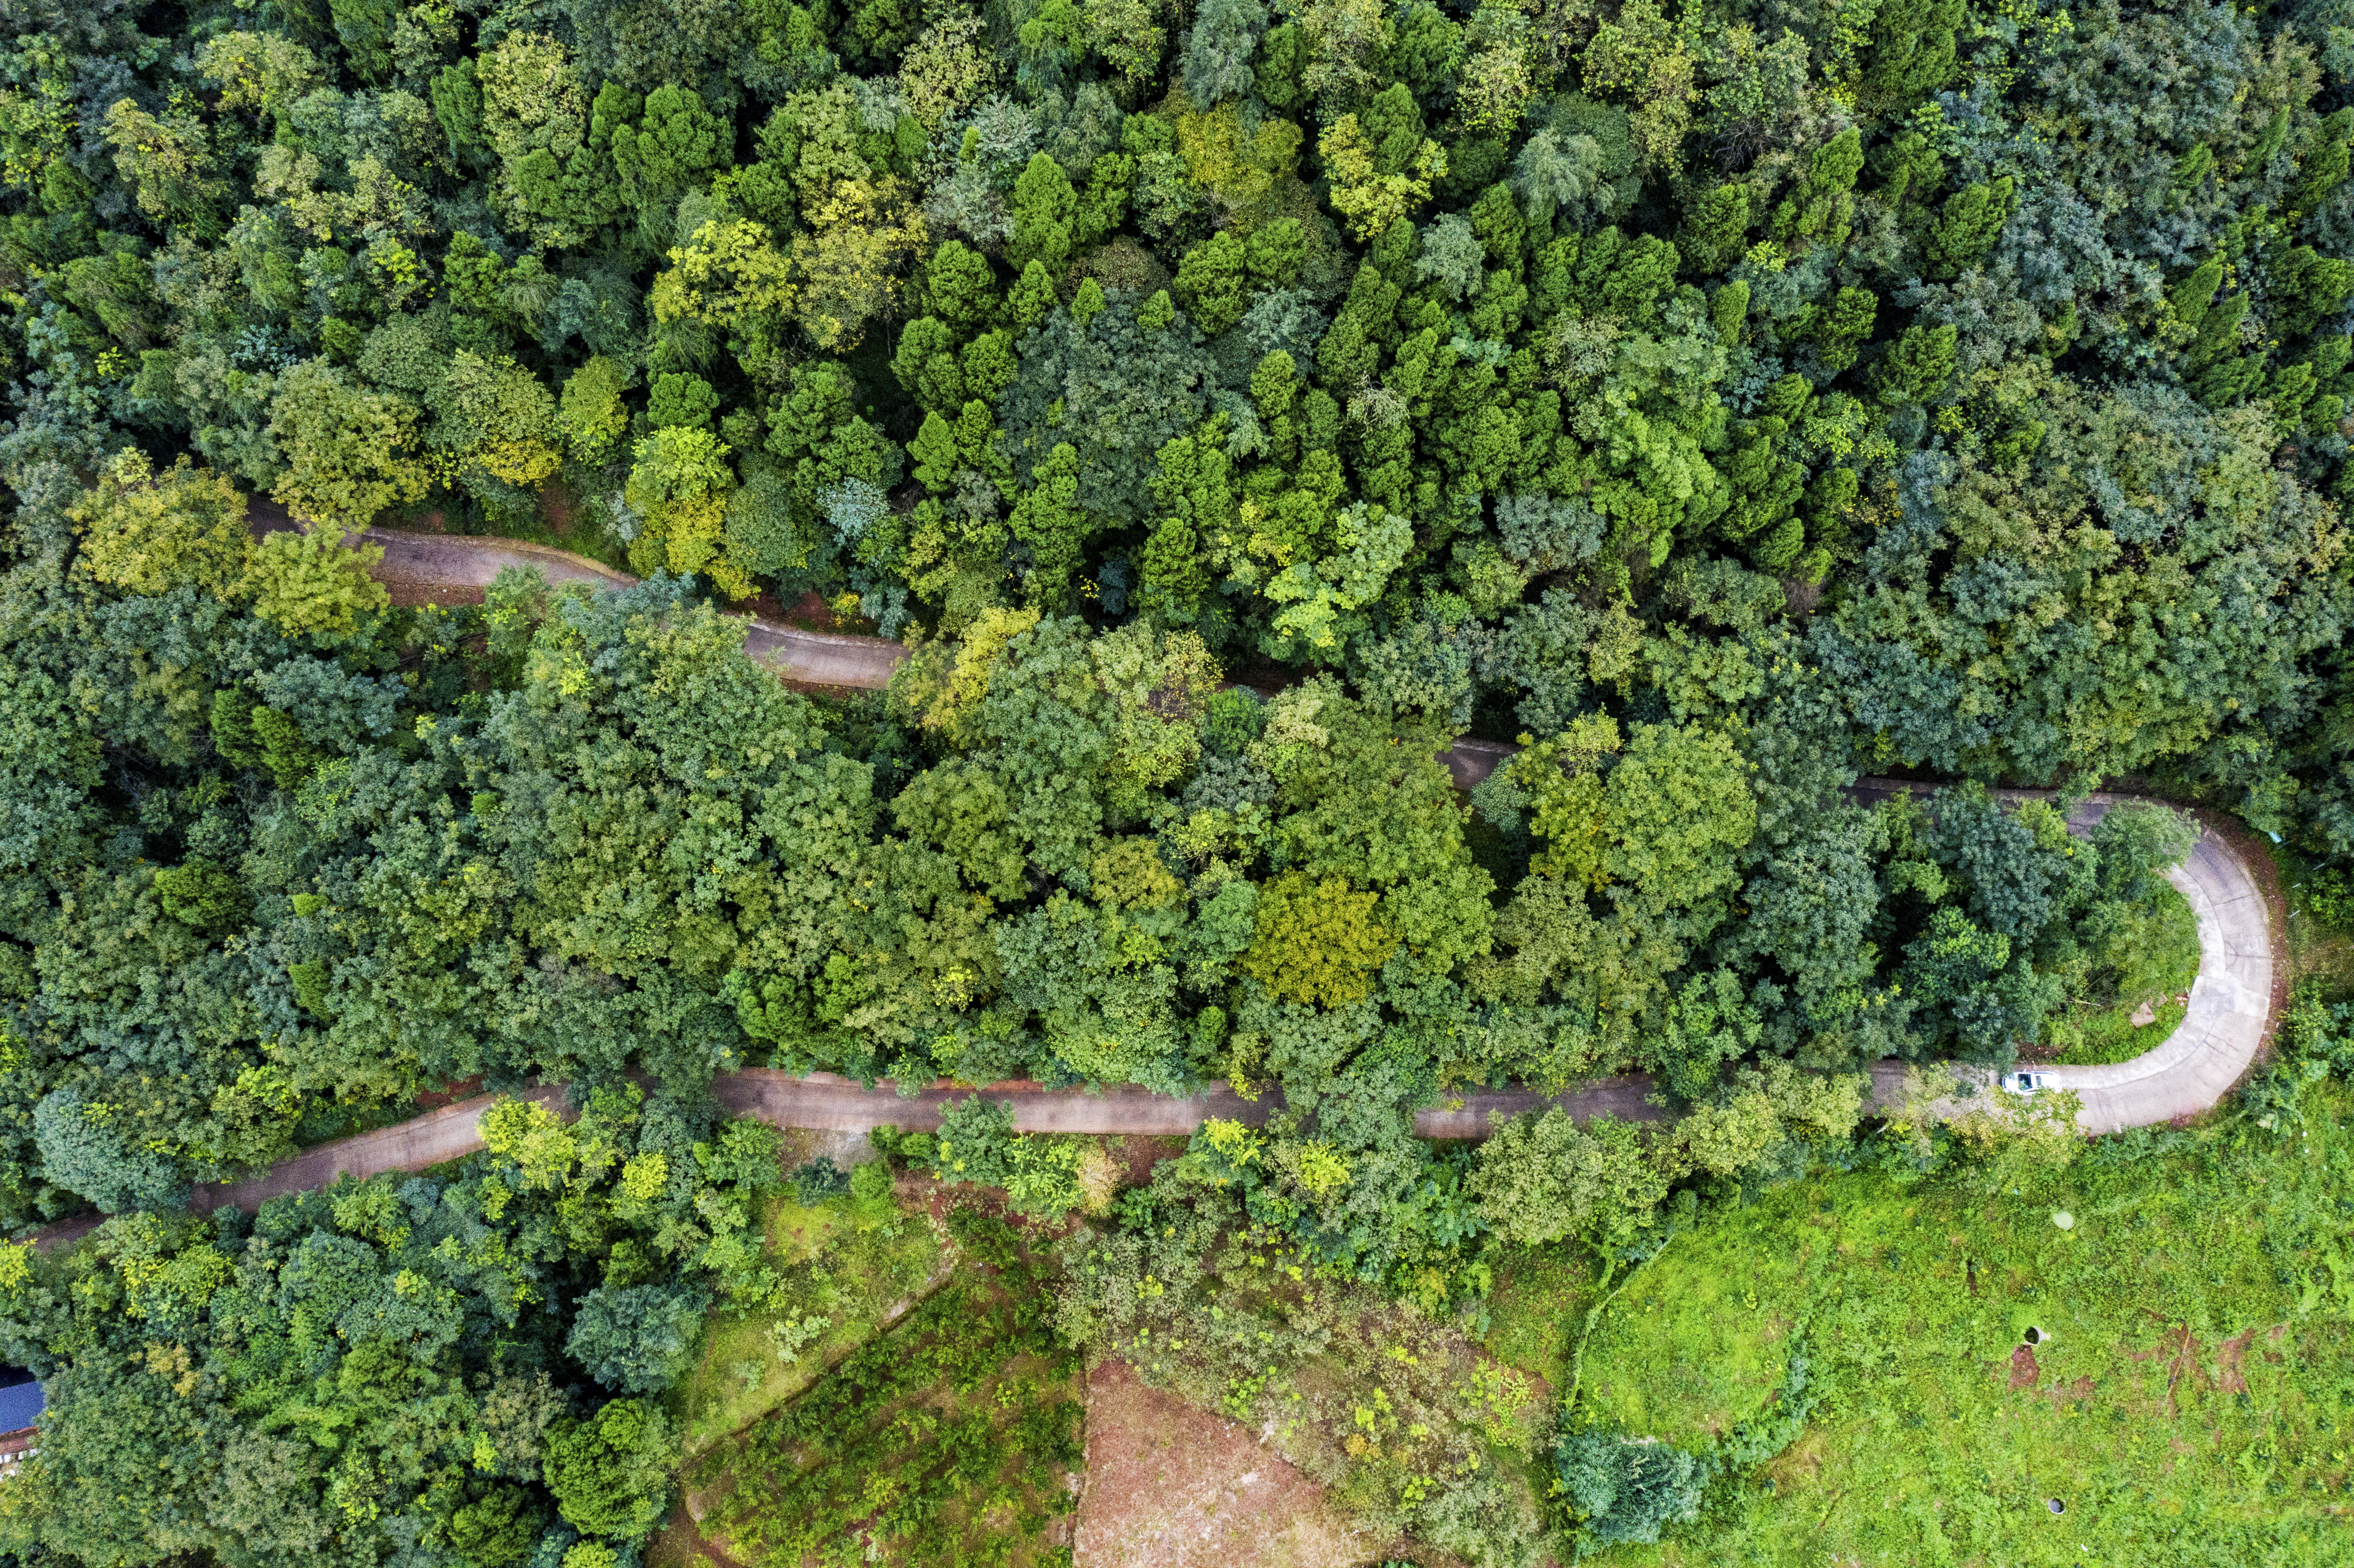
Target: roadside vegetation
x,y
2320,920
2134,1003
2157,1333
468,1363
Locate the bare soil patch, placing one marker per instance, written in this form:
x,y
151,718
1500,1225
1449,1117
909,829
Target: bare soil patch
x,y
1138,1153
1170,1485
559,506
2229,1357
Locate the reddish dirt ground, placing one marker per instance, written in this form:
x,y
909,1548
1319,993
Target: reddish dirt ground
x,y
559,506
1170,1485
1138,1154
449,1093
809,611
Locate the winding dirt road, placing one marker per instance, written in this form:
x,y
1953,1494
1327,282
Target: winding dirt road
x,y
2229,1008
2191,1071
459,561
469,563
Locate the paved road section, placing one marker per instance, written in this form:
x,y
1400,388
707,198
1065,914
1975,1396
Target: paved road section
x,y
823,1100
1472,761
2231,1001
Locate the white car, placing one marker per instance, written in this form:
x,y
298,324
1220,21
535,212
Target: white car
x,y
2022,1083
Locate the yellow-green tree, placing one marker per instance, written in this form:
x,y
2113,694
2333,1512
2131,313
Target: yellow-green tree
x,y
1316,942
350,452
1368,196
591,414
730,275
266,71
150,533
497,419
679,487
862,234
861,229
312,584
168,163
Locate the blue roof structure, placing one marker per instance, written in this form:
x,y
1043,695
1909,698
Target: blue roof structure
x,y
21,1405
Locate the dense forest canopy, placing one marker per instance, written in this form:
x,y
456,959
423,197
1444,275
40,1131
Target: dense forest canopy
x,y
1231,405
1725,399
454,1366
1516,362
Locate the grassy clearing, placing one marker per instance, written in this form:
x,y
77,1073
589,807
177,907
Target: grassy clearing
x,y
843,1263
2192,1399
2162,947
946,1443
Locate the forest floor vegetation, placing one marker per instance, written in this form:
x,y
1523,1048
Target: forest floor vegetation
x,y
2320,947
1539,1298
849,1267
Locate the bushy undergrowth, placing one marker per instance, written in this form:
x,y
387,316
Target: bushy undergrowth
x,y
840,1265
1043,1177
946,1441
2150,957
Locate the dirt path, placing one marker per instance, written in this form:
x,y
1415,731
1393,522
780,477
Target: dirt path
x,y
421,567
451,1132
460,561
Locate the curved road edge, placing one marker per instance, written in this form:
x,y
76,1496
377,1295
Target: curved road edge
x,y
2230,1011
